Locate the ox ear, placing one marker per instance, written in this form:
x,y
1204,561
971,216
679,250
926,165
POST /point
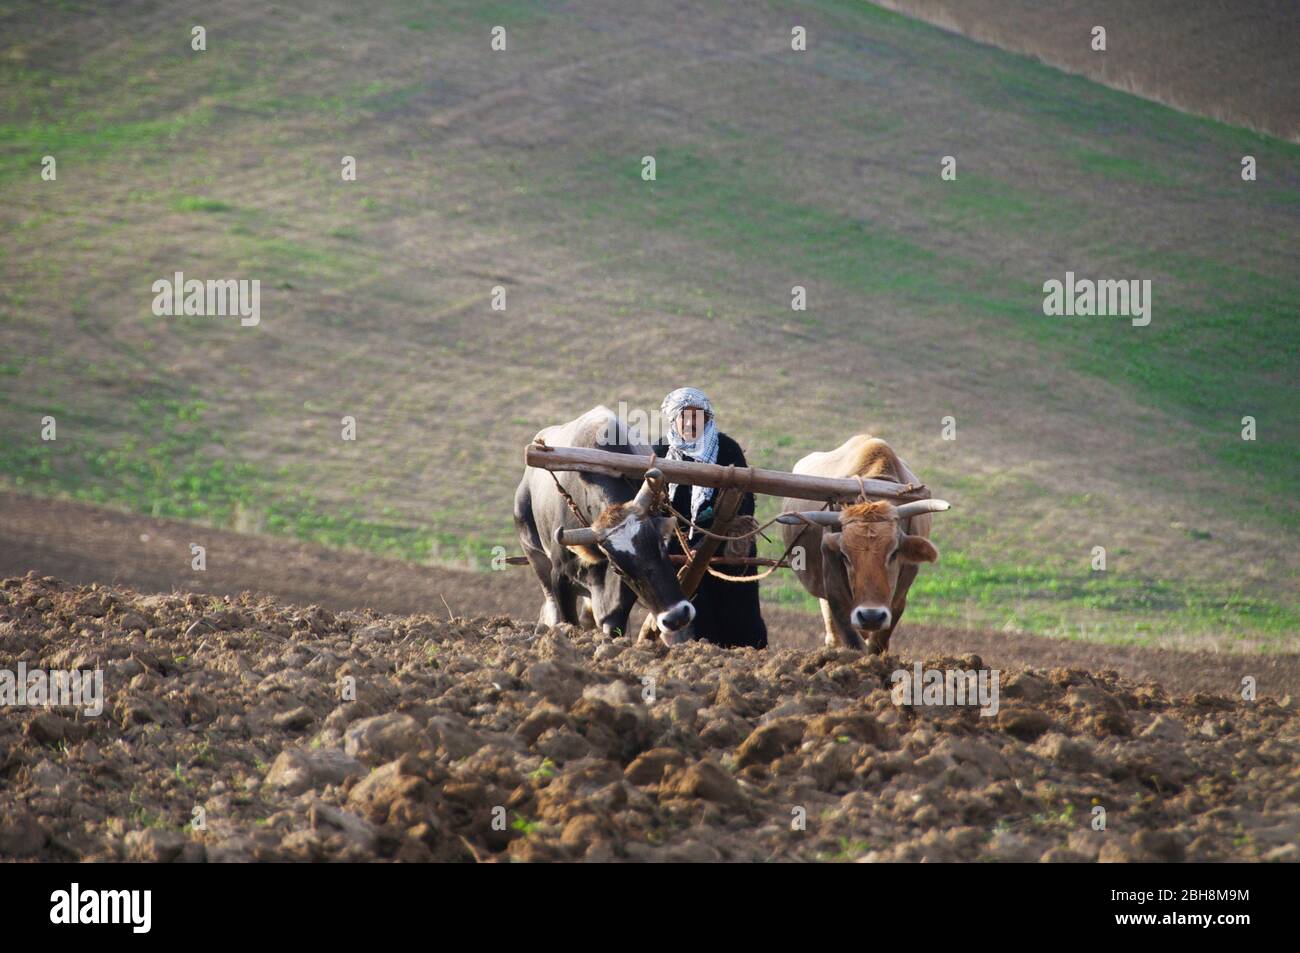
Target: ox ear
x,y
917,549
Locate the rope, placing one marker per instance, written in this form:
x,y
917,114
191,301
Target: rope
x,y
726,539
758,577
568,499
718,574
563,492
780,563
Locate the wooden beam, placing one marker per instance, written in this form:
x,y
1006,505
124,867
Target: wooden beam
x,y
746,479
693,572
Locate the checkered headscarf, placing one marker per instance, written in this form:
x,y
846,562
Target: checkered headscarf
x,y
704,448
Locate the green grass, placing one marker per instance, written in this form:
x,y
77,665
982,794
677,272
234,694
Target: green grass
x,y
194,203
467,15
742,207
1117,607
87,140
1123,168
1110,607
171,466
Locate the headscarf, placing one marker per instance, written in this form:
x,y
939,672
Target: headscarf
x,y
704,448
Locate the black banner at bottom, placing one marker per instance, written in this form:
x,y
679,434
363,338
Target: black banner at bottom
x,y
141,903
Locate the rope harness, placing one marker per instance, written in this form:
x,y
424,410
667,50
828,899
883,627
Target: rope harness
x,y
718,574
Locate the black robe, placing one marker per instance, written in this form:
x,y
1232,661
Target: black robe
x,y
726,613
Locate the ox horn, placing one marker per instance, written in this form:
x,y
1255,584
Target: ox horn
x,y
820,517
578,537
645,495
921,506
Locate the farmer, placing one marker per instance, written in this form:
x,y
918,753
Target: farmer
x,y
726,613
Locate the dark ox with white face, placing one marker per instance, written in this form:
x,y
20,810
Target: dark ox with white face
x,y
593,575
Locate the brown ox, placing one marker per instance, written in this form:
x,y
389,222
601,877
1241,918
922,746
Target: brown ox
x,y
861,560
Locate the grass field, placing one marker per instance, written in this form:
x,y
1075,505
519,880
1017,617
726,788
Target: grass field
x,y
774,169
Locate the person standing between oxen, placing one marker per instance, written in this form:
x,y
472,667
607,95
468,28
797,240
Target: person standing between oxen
x,y
726,613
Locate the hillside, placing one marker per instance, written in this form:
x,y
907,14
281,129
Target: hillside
x,y
774,168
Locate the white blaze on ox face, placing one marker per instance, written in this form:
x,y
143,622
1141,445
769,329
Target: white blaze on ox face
x,y
622,538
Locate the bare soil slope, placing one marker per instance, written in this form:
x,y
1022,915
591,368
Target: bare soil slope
x,y
230,713
1234,62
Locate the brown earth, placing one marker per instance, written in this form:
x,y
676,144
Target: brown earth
x,y
85,544
1230,61
250,730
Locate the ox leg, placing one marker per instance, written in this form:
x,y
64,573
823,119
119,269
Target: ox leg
x,y
563,591
567,598
878,643
828,621
550,614
531,541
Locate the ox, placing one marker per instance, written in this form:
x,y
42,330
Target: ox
x,y
596,575
861,560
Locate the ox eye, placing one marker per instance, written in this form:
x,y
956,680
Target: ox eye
x,y
893,555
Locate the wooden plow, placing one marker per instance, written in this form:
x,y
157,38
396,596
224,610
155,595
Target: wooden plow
x,y
733,482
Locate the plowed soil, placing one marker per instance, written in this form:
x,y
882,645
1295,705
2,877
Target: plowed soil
x,y
247,729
